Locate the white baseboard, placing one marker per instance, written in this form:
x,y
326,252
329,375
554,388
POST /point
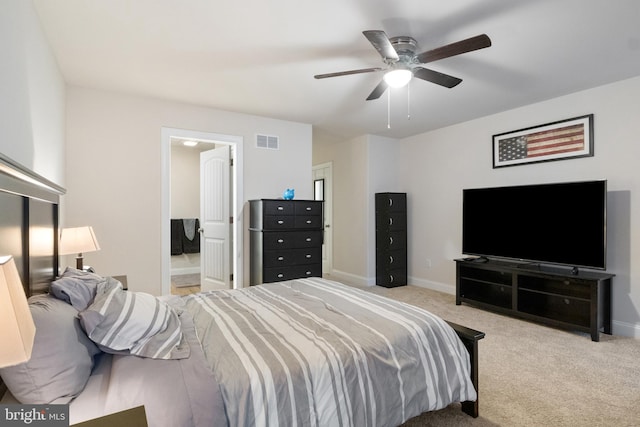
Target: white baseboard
x,y
436,286
625,329
185,270
351,278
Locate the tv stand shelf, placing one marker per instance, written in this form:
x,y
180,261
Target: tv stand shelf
x,y
548,295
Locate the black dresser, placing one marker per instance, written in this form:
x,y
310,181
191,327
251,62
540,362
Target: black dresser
x,y
391,239
286,239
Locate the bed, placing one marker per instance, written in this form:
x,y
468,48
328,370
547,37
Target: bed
x,y
301,352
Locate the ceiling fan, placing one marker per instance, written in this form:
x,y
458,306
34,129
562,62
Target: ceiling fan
x,y
402,62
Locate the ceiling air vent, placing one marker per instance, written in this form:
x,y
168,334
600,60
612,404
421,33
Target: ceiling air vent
x,y
267,141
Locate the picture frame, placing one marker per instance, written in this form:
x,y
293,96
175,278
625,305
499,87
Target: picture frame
x,y
561,140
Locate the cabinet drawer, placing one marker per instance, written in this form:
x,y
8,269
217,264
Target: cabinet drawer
x,y
278,207
307,207
559,286
278,274
309,221
391,278
564,309
279,240
275,240
290,257
392,240
491,276
307,239
391,259
495,294
391,202
391,222
278,222
308,256
276,258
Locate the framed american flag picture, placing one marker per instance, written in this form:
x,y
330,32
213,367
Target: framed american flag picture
x,y
565,139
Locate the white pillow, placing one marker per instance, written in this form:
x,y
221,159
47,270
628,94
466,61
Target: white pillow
x,y
134,322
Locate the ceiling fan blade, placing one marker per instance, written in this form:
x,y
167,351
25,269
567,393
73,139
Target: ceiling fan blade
x,y
381,42
378,91
463,46
346,73
436,77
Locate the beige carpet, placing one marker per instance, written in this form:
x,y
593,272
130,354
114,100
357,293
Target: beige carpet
x,y
534,375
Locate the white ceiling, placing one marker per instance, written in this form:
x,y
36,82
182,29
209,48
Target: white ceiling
x,y
259,57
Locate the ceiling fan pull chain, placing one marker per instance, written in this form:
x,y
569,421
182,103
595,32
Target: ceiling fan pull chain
x,y
389,109
409,100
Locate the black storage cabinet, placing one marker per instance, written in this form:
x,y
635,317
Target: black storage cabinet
x,y
391,239
286,239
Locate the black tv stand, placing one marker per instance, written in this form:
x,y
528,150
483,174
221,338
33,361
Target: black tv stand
x,y
571,299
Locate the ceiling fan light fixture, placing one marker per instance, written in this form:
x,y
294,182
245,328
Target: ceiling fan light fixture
x,y
398,77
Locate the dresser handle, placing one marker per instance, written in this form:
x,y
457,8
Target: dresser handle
x,y
308,256
308,221
391,278
308,208
280,208
280,276
391,240
390,202
308,273
390,259
308,239
280,222
390,221
280,258
280,240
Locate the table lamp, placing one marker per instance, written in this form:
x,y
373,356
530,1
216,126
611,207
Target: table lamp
x,y
77,240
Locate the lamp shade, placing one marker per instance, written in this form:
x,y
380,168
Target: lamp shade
x,y
17,329
77,240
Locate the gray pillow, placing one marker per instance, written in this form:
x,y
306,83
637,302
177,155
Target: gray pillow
x,y
135,323
76,287
61,359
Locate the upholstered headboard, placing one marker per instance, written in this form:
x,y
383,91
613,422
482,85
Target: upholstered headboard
x,y
29,225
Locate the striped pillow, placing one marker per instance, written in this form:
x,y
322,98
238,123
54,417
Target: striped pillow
x,y
137,323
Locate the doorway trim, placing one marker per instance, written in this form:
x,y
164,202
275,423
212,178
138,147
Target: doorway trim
x,y
165,212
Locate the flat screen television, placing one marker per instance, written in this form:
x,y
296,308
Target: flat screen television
x,y
560,223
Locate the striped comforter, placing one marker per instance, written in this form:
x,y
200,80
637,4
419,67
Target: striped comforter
x,y
313,352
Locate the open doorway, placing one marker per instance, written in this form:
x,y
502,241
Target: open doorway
x,y
181,193
186,218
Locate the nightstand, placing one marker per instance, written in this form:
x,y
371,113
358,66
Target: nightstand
x,y
122,279
134,417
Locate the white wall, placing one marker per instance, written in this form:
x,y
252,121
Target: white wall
x,y
32,94
434,167
114,172
185,182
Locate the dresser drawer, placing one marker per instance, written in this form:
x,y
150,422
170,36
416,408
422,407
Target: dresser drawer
x,y
310,221
307,207
279,222
392,221
277,207
289,257
306,239
278,274
391,240
280,240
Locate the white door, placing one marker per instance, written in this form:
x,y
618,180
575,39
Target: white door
x,y
215,219
322,183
